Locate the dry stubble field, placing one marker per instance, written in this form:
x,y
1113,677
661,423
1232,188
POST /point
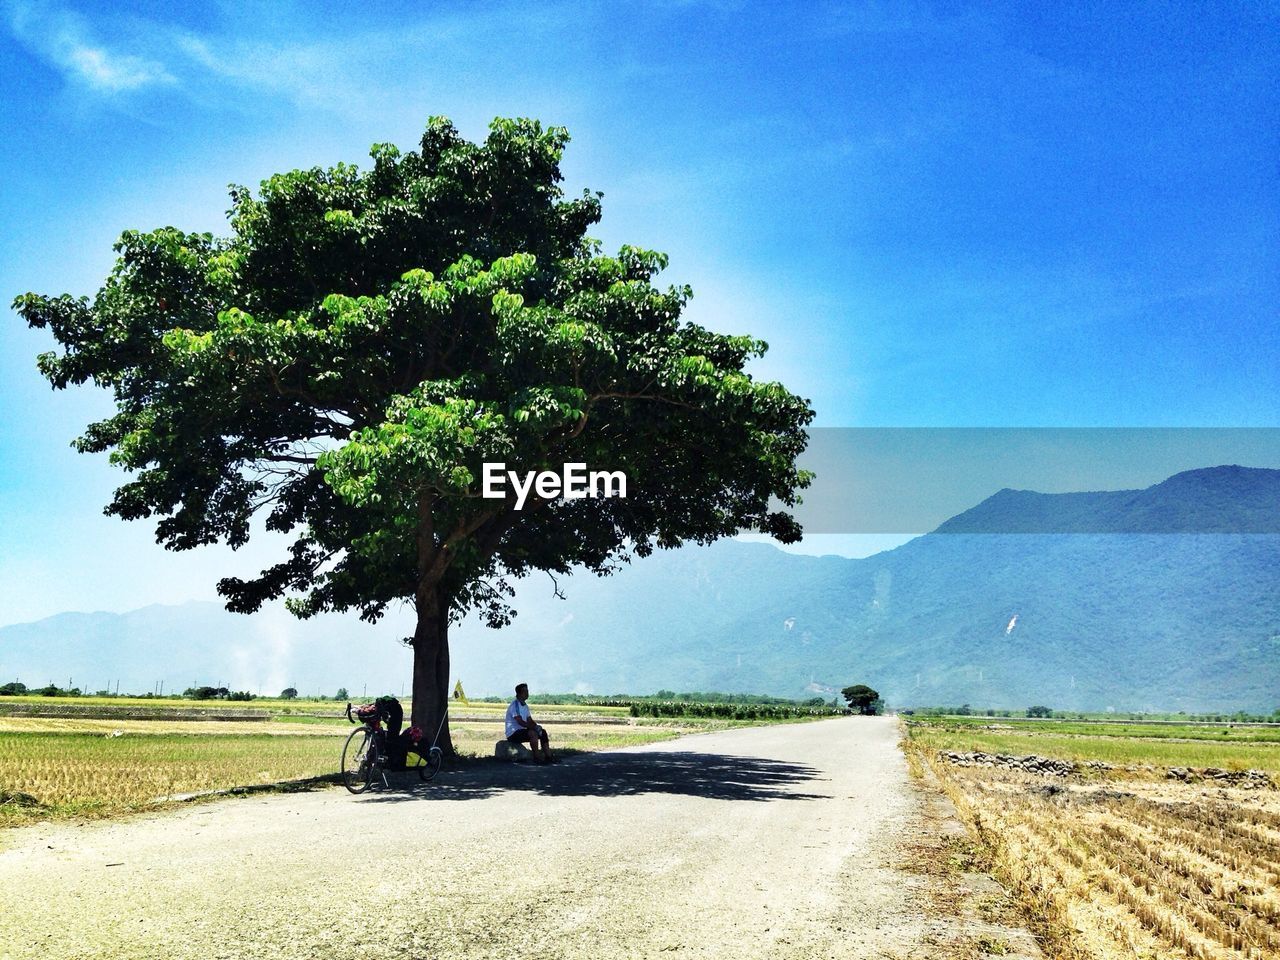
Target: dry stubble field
x,y
1127,862
84,766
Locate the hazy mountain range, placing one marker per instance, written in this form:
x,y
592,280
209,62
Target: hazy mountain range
x,y
1115,614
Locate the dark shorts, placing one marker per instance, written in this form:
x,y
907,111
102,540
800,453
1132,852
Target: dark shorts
x,y
522,736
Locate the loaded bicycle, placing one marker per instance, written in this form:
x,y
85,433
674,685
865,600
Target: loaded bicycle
x,y
370,748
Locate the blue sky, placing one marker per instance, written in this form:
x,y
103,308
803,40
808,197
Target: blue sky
x,y
937,215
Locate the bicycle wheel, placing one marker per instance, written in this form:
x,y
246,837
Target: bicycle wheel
x,y
357,760
430,765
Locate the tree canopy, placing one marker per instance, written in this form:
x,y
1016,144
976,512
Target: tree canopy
x,y
347,359
862,698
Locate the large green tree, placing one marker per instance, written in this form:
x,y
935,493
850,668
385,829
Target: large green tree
x,y
347,359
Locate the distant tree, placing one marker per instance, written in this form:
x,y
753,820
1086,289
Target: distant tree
x,y
50,691
815,702
240,695
1043,712
964,710
342,694
348,359
289,693
861,698
14,689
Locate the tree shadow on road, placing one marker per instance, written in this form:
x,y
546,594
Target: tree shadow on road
x,y
710,775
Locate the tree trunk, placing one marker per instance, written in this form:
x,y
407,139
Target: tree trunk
x,y
431,669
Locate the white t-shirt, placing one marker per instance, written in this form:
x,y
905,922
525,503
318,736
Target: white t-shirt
x,y
516,709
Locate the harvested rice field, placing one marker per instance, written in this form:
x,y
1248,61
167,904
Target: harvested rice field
x,y
1139,851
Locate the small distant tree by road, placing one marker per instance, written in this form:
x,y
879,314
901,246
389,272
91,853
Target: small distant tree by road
x,y
289,693
206,693
342,694
862,699
1042,712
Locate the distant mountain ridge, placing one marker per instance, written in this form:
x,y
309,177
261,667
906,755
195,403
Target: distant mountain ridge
x,y
1105,618
1226,499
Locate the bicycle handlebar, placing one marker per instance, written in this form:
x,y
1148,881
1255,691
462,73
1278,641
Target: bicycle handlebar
x,y
374,723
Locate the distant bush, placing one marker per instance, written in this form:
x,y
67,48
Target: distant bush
x,y
14,689
726,711
696,697
206,693
240,695
55,691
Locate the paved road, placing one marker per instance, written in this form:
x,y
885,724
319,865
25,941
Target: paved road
x,y
780,841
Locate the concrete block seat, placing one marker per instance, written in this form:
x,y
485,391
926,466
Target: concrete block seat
x,y
515,752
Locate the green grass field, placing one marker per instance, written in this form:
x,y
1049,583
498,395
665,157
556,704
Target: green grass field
x,y
1217,733
1189,746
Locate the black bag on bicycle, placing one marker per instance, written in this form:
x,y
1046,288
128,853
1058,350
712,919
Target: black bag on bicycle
x,y
392,714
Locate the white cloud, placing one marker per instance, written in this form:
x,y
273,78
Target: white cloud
x,y
113,73
311,73
66,41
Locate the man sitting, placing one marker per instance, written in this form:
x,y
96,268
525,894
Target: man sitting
x,y
522,729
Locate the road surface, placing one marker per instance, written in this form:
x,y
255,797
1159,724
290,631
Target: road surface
x,y
783,841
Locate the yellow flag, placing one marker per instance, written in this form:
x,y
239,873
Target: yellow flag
x,y
457,692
